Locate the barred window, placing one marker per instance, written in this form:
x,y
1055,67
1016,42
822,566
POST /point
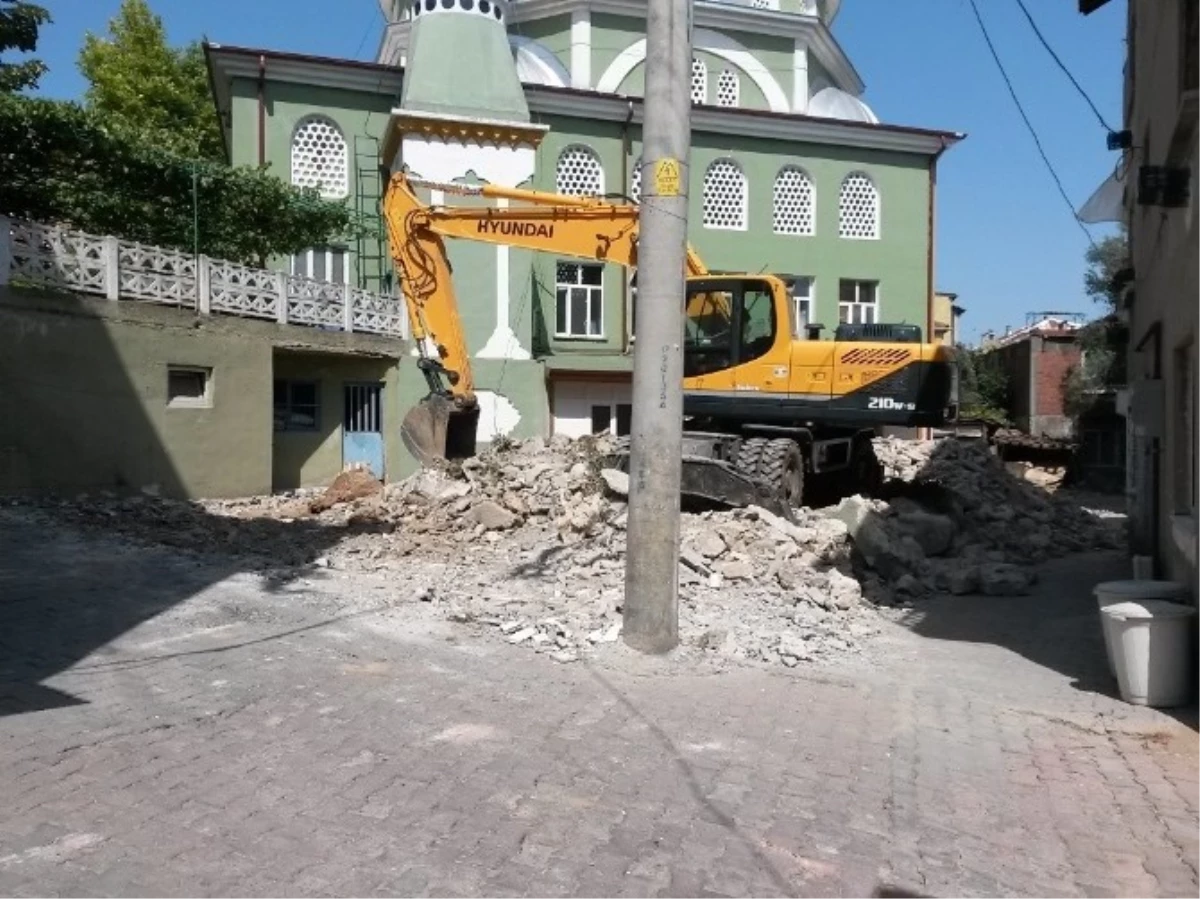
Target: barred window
x,y
320,158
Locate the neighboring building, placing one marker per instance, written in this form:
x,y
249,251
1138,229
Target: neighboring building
x,y
789,172
1159,207
128,368
946,313
1037,359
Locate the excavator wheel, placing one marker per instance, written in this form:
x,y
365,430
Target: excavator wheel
x,y
749,456
781,468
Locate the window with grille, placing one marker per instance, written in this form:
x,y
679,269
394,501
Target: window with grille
x,y
320,158
699,81
579,173
795,203
635,182
725,196
728,88
858,208
297,406
321,264
579,296
802,303
858,302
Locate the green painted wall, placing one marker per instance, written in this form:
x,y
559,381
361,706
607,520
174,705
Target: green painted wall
x,y
361,116
610,36
95,374
314,458
898,260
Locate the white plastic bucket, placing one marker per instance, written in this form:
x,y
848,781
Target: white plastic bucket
x,y
1112,592
1152,651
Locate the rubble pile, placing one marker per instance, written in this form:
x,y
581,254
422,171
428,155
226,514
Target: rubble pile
x,y
527,540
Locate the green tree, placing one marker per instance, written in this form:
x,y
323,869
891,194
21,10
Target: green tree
x,y
1108,263
984,391
19,24
64,165
139,83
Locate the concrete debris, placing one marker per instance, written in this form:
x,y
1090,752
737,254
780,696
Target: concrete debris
x,y
528,541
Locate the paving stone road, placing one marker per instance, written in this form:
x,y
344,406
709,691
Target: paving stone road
x,y
179,727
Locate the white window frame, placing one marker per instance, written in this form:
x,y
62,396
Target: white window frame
x,y
729,75
310,256
878,222
799,320
595,295
857,303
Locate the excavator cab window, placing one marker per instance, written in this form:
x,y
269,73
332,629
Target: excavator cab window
x,y
708,332
729,321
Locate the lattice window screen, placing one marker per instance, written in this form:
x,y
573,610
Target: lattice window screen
x,y
725,196
699,81
320,158
579,173
635,182
728,88
795,201
858,208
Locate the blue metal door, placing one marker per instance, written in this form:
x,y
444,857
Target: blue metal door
x,y
362,426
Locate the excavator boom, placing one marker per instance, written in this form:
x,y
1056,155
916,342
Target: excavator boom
x,y
443,424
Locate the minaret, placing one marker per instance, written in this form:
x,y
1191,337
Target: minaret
x,y
459,62
463,117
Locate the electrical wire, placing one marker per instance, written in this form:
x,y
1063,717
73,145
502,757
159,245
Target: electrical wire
x,y
1063,66
1028,124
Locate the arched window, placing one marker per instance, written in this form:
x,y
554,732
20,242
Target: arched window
x,y
635,182
858,208
728,88
699,81
579,173
795,203
320,158
725,196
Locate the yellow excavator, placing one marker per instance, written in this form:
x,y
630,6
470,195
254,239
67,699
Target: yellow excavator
x,y
765,409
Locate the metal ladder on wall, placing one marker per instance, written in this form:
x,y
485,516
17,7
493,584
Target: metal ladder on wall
x,y
373,265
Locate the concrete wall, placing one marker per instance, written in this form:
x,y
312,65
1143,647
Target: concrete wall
x,y
1163,315
314,458
83,400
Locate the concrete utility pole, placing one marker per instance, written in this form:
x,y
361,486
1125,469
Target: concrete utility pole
x,y
651,610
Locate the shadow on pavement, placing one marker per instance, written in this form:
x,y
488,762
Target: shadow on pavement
x,y
63,599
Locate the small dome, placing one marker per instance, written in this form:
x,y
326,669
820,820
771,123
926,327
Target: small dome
x,y
834,103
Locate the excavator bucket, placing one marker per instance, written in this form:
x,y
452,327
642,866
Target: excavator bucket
x,y
435,428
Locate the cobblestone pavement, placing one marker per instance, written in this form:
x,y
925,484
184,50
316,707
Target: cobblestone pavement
x,y
176,727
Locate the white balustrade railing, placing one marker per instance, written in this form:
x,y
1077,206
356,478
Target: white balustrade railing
x,y
123,270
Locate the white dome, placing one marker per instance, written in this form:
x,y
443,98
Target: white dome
x,y
834,103
536,64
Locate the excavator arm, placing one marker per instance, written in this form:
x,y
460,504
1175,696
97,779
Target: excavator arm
x,y
443,424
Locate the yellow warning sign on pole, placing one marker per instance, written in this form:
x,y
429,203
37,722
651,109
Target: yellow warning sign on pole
x,y
666,177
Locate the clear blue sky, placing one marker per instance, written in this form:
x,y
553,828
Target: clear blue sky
x,y
1006,241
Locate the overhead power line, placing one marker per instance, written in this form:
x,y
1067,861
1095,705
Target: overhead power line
x,y
1063,66
1028,124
